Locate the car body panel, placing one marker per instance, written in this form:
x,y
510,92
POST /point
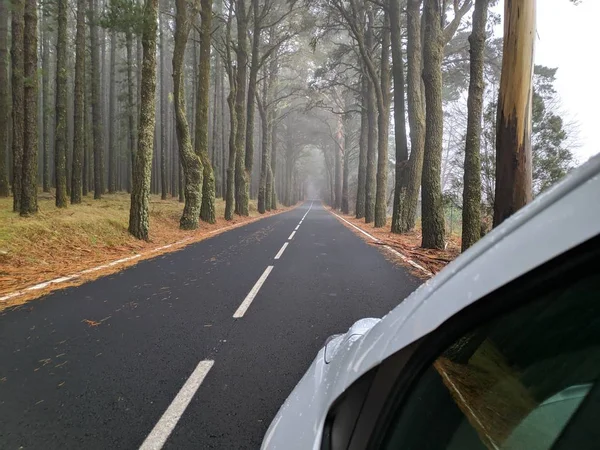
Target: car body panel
x,y
553,223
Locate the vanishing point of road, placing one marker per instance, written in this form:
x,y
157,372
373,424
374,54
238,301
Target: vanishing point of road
x,y
192,349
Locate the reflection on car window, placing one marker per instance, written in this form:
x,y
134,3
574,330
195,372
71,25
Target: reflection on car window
x,y
511,384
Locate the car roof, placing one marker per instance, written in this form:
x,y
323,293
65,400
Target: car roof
x,y
556,221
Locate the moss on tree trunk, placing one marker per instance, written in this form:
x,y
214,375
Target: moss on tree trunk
x,y
471,214
241,178
60,130
30,110
190,161
207,209
399,117
139,212
362,152
383,123
432,207
17,29
78,106
4,100
416,116
97,119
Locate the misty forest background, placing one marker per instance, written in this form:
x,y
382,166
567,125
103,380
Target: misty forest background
x,y
236,106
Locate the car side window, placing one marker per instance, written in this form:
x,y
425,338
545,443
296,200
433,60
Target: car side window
x,y
513,383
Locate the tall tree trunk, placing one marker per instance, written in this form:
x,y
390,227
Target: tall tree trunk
x,y
30,110
207,210
216,135
432,207
4,100
241,178
230,196
399,117
17,29
79,147
163,112
112,119
346,168
471,214
383,124
130,108
139,213
97,122
60,130
46,102
273,201
362,150
371,153
254,66
372,127
337,165
513,123
85,182
416,116
190,161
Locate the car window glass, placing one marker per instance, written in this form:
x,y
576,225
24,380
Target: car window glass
x,y
511,384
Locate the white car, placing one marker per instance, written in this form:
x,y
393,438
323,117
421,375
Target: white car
x,y
500,350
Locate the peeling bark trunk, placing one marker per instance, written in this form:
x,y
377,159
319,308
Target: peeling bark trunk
x,y
513,124
139,211
416,116
17,29
207,210
79,107
399,117
190,161
471,213
432,207
30,111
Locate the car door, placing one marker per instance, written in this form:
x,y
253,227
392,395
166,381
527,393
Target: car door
x,y
518,369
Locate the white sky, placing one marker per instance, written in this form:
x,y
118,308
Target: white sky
x,y
568,38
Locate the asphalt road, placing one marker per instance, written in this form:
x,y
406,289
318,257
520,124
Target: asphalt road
x,y
98,365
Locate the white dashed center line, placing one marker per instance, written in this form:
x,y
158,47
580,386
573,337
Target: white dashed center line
x,y
281,250
161,431
248,300
292,235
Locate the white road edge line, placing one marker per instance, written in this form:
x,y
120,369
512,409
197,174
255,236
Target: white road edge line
x,y
292,235
161,431
387,247
248,300
281,250
73,276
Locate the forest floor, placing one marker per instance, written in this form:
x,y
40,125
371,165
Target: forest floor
x,y
61,242
409,245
